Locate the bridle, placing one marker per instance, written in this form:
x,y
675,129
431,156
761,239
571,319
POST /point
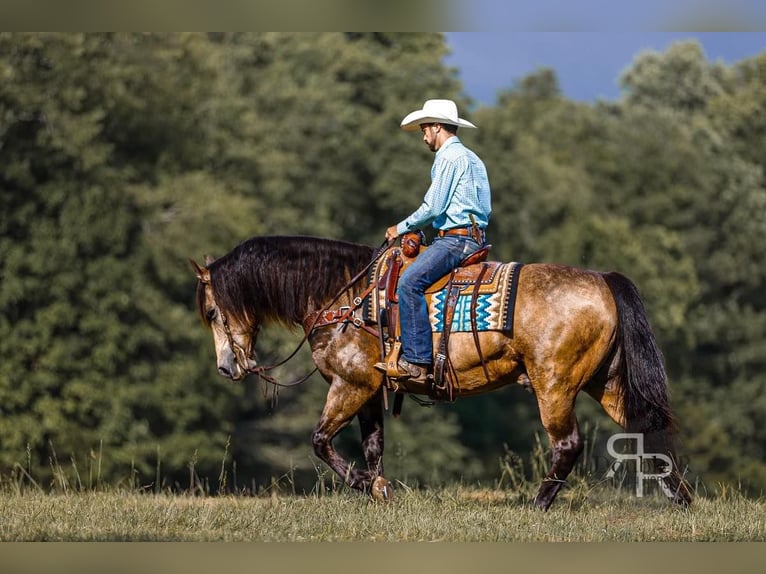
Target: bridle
x,y
242,355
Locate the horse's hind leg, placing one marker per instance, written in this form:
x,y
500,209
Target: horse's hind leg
x,y
606,393
559,420
605,390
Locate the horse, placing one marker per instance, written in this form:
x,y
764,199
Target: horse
x,y
573,330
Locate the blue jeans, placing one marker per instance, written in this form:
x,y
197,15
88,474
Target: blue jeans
x,y
440,258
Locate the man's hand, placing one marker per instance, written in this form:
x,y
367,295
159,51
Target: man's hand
x,y
391,233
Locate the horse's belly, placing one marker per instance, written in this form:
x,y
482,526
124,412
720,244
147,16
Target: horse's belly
x,y
497,353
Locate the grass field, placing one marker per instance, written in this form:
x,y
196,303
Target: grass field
x,y
455,514
588,509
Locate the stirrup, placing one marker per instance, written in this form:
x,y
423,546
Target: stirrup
x,y
390,364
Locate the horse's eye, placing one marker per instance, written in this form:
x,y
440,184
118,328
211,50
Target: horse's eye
x,y
210,315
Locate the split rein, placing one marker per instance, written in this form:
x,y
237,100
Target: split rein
x,y
309,327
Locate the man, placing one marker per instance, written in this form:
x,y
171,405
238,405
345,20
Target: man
x,y
458,197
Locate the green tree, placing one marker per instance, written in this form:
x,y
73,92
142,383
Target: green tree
x,y
95,348
588,186
322,102
698,179
124,154
121,155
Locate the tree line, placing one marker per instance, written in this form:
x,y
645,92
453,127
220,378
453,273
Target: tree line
x,y
122,155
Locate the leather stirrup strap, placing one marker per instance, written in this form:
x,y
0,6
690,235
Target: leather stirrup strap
x,y
391,281
442,356
474,327
392,300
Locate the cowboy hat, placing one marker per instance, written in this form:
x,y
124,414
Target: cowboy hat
x,y
435,111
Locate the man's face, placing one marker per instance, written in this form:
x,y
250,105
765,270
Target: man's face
x,y
430,131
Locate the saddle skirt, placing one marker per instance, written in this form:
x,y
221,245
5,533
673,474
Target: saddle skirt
x,y
490,302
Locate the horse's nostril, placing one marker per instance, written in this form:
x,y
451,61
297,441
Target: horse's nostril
x,y
224,371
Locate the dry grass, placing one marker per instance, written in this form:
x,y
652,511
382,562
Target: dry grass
x,y
586,510
453,514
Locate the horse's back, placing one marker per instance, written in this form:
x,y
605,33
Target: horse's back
x,y
555,287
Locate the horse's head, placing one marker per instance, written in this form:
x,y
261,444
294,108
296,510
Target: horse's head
x,y
233,335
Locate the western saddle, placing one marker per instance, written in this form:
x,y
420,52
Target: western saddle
x,y
468,275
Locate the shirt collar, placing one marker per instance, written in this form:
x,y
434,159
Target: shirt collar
x,y
450,141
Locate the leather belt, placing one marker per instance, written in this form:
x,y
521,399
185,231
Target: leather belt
x,y
462,231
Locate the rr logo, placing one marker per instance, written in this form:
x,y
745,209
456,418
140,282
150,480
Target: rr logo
x,y
639,457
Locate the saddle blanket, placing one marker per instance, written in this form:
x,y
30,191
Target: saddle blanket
x,y
493,307
495,298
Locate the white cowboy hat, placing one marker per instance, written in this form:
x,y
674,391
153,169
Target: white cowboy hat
x,y
435,111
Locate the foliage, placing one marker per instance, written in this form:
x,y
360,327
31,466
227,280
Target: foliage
x,y
122,155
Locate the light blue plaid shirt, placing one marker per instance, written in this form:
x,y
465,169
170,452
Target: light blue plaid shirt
x,y
459,188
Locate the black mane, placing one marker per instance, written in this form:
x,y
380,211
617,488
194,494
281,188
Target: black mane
x,y
282,278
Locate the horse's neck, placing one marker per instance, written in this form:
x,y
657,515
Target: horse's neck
x,y
341,295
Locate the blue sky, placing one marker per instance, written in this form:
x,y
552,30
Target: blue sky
x,y
608,15
587,64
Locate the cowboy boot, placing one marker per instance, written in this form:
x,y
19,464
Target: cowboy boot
x,y
407,371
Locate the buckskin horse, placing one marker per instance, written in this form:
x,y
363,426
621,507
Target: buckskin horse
x,y
573,330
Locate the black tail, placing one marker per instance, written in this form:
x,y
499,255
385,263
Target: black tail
x,y
642,370
643,384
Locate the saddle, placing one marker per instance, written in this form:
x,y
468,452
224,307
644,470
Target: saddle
x,y
476,296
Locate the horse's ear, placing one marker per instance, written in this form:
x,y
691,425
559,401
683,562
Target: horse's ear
x,y
203,273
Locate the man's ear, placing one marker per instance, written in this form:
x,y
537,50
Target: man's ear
x,y
203,273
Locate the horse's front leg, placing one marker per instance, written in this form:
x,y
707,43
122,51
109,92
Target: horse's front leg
x,y
344,401
371,425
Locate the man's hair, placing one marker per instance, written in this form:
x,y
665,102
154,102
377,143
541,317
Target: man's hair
x,y
450,128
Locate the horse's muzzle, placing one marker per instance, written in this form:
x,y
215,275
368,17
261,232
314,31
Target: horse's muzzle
x,y
231,369
227,372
